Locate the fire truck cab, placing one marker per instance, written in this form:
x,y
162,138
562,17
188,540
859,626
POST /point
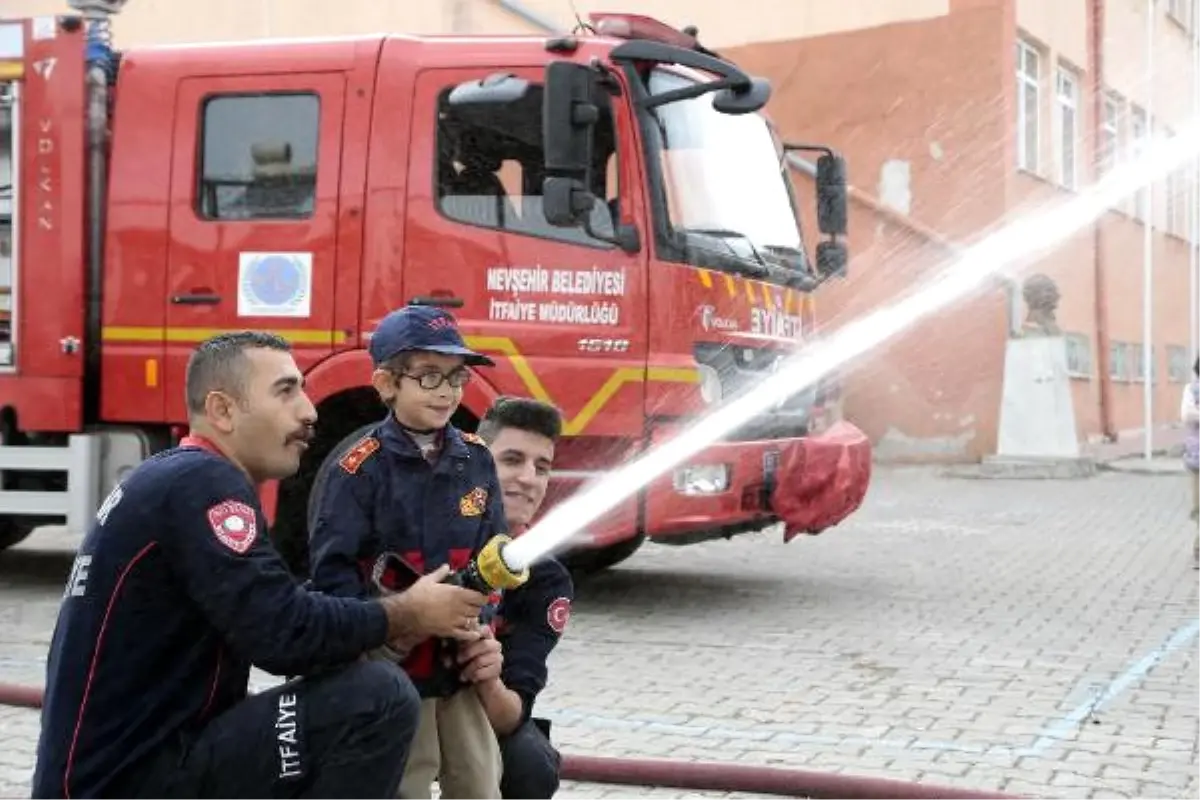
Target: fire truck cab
x,y
607,213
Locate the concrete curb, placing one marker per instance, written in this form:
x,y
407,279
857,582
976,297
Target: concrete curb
x,y
1010,468
1161,464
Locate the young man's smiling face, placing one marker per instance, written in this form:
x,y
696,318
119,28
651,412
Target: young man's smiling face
x,y
523,460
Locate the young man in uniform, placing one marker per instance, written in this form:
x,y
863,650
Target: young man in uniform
x,y
417,488
177,591
521,435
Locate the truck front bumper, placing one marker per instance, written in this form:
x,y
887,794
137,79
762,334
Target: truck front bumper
x,y
809,483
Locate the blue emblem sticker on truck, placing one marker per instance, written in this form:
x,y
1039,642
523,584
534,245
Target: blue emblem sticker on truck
x,y
274,284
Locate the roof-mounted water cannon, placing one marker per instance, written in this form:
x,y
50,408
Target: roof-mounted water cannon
x,y
639,27
832,208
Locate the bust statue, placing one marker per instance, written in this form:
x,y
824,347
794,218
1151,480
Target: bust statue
x,y
1041,300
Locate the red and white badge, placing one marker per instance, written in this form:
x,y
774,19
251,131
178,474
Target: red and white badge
x,y
558,613
234,525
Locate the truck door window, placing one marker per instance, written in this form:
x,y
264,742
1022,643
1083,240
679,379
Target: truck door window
x,y
258,156
491,164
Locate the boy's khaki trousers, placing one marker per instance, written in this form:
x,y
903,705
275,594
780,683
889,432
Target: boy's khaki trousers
x,y
456,746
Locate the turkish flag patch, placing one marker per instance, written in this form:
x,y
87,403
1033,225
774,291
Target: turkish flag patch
x,y
558,613
234,525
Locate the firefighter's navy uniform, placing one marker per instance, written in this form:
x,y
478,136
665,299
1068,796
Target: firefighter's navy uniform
x,y
175,593
528,623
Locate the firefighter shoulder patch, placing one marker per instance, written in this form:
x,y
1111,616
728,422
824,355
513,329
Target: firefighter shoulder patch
x,y
557,614
473,502
356,455
473,438
234,524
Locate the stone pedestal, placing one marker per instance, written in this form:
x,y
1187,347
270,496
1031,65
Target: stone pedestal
x,y
1037,436
1037,414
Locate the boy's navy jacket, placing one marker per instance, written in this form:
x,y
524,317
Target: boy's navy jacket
x,y
176,591
382,497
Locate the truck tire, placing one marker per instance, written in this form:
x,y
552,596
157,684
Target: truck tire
x,y
13,530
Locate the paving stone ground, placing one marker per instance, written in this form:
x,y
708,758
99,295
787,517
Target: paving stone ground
x,y
1033,637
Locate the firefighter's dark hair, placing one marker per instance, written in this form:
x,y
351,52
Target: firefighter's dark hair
x,y
219,365
523,414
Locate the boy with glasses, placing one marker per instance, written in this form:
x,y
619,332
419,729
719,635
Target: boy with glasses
x,y
418,490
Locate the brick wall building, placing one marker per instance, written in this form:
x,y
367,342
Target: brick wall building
x,y
954,115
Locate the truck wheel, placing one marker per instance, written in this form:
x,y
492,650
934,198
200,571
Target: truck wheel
x,y
588,562
13,530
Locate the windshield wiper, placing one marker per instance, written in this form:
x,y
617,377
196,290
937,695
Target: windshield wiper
x,y
759,264
798,275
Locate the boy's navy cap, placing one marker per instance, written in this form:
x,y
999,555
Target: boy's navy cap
x,y
421,328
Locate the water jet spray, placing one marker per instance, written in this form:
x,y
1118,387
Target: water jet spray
x,y
1017,242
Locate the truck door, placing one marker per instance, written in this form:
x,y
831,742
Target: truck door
x,y
254,214
563,313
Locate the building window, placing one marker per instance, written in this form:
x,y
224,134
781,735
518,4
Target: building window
x,y
258,156
1138,138
490,169
1135,363
1117,368
1177,364
1176,203
1029,70
1079,355
1067,96
1110,134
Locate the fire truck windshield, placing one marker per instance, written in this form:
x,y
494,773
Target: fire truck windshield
x,y
723,179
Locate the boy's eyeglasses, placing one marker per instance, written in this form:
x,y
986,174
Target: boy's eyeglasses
x,y
457,378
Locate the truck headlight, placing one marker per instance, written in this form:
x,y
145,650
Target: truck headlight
x,y
702,479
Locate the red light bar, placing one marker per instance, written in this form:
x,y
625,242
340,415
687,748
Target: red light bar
x,y
636,26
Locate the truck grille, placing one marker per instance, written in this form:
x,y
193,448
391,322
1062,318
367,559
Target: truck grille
x,y
740,369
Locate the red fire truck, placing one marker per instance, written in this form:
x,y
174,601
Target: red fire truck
x,y
606,212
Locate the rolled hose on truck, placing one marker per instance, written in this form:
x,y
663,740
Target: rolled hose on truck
x,y
696,776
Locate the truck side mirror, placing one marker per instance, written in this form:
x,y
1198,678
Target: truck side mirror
x,y
745,100
566,202
568,115
832,258
831,194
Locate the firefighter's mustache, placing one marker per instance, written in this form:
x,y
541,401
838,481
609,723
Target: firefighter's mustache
x,y
305,435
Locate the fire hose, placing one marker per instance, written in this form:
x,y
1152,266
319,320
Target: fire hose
x,y
696,776
490,571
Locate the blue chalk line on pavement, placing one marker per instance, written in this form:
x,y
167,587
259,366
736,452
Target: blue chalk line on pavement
x,y
1061,728
1057,731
